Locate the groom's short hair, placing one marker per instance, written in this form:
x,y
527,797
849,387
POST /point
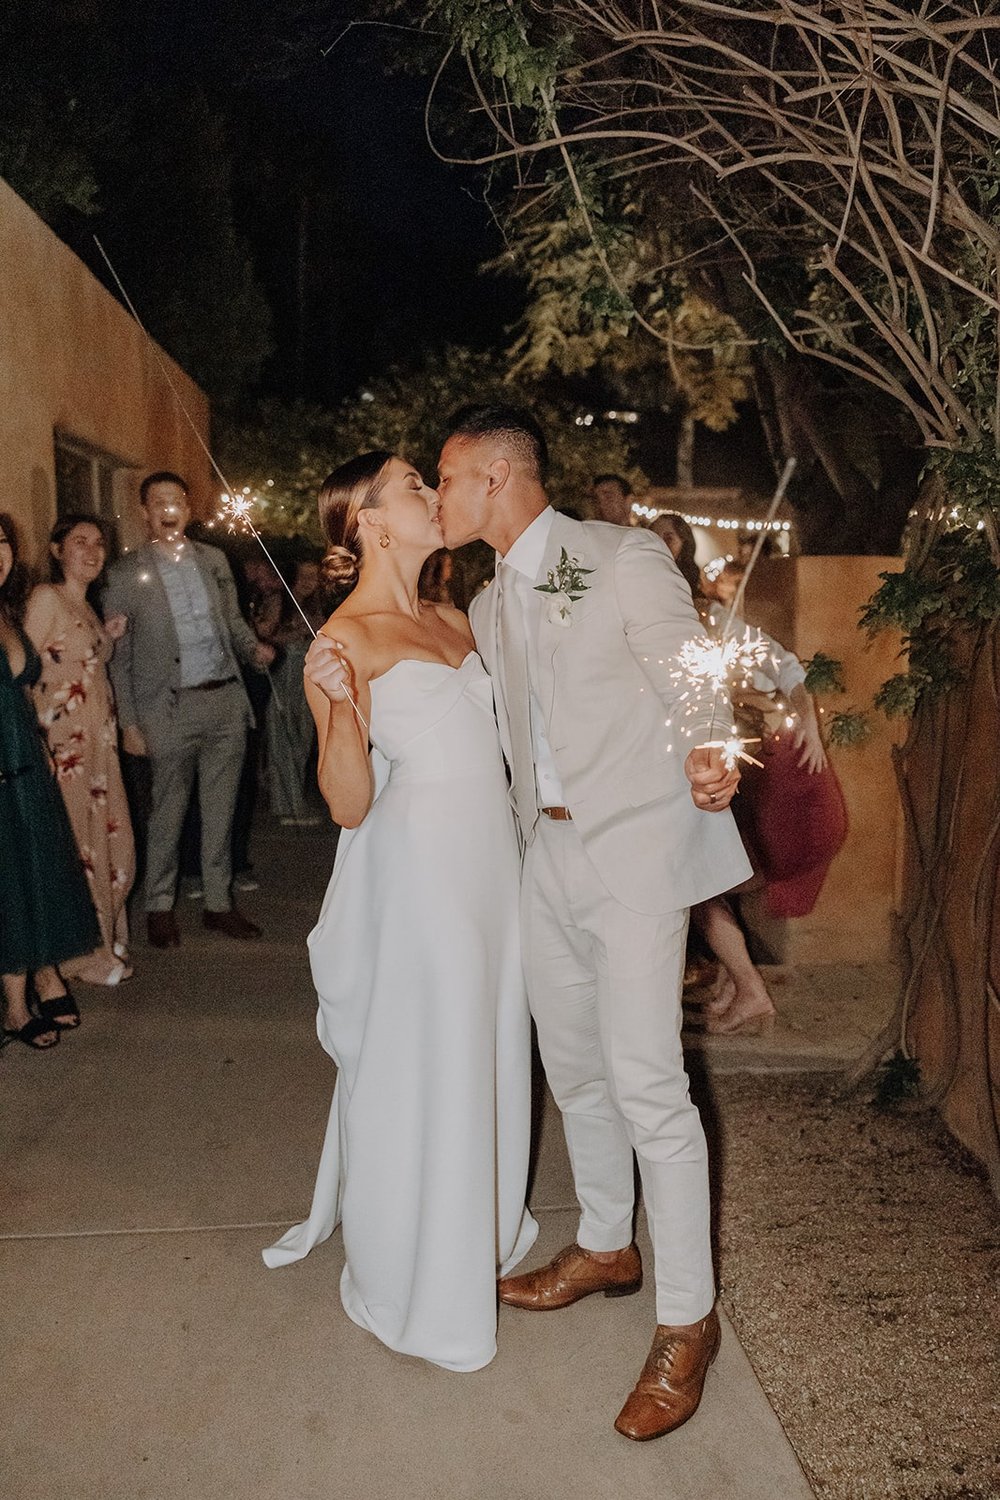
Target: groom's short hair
x,y
514,425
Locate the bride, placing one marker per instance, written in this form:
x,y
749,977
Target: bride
x,y
416,954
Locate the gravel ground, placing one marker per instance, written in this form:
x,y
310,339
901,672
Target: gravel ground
x,y
859,1254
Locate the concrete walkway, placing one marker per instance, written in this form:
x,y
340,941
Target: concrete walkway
x,y
148,1354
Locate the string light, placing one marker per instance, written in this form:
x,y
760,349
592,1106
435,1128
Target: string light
x,y
722,523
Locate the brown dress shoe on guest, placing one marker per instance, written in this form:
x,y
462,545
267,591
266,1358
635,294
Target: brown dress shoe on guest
x,y
162,929
572,1274
231,923
669,1389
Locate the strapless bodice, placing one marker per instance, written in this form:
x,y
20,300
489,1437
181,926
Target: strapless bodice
x,y
432,722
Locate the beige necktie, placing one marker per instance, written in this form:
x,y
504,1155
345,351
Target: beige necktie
x,y
514,676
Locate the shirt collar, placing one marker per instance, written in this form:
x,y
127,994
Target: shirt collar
x,y
525,556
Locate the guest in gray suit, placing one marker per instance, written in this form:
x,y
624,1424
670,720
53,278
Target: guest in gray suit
x,y
181,700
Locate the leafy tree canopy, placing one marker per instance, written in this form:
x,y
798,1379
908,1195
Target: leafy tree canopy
x,y
284,452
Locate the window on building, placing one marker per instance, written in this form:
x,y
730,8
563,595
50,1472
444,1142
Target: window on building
x,y
86,480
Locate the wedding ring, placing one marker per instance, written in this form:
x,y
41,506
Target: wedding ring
x,y
711,797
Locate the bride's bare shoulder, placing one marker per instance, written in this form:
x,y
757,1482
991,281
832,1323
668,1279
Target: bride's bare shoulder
x,y
353,631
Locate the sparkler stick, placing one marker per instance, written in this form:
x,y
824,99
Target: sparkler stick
x,y
779,495
234,506
236,510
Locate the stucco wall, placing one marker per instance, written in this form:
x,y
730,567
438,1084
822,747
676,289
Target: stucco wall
x,y
71,358
812,604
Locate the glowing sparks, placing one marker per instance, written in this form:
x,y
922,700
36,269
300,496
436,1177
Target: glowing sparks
x,y
236,507
724,662
734,750
717,663
720,666
237,510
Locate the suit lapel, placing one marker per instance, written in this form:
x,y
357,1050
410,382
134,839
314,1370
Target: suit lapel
x,y
549,637
148,577
488,621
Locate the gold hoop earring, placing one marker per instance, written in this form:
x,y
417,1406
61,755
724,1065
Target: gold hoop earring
x,y
383,540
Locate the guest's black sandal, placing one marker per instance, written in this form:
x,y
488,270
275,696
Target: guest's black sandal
x,y
31,1031
63,1012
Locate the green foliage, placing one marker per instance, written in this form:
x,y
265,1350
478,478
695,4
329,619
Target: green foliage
x,y
824,674
283,451
957,586
898,1081
970,477
898,697
642,329
902,602
849,728
498,35
406,411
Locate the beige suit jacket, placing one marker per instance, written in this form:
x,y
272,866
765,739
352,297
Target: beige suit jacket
x,y
613,717
146,666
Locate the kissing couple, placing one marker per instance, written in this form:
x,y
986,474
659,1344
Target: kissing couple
x,y
443,908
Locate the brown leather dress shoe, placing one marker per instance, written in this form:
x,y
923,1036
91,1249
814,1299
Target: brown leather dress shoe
x,y
669,1389
162,929
231,923
572,1274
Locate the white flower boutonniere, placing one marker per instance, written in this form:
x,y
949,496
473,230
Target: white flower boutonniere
x,y
565,586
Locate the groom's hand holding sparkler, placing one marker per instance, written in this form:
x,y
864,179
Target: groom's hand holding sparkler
x,y
713,778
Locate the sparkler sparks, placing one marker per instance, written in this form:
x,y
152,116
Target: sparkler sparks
x,y
734,750
719,664
236,509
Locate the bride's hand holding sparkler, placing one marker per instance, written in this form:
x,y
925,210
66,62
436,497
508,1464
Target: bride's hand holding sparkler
x,y
327,669
344,767
713,780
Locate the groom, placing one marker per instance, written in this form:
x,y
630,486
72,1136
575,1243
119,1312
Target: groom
x,y
625,821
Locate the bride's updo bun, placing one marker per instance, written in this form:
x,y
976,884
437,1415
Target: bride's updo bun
x,y
339,568
353,487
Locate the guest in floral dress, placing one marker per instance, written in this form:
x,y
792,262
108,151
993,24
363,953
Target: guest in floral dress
x,y
76,711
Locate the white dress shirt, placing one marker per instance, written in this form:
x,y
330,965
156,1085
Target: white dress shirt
x,y
524,559
203,656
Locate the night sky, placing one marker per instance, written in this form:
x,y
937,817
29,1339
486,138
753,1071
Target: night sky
x,y
407,233
392,238
366,245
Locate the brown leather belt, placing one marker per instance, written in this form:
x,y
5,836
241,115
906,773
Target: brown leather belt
x,y
209,687
558,814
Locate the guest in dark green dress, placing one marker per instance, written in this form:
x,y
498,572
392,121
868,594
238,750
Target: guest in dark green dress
x,y
46,914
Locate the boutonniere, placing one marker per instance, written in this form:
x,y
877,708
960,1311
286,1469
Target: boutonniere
x,y
566,584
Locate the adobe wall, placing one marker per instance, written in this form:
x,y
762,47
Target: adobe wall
x,y
72,358
812,604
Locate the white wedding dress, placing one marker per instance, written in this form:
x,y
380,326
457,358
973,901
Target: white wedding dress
x,y
416,959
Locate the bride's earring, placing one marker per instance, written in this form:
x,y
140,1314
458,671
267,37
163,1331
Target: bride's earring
x,y
383,540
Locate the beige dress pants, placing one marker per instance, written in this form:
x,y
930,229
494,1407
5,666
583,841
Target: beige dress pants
x,y
604,985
